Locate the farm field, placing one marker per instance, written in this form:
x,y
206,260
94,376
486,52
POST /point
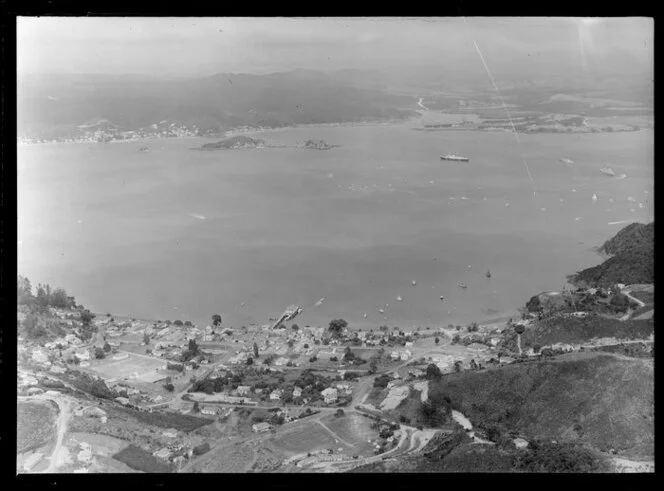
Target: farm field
x,y
354,429
34,425
134,367
139,459
306,437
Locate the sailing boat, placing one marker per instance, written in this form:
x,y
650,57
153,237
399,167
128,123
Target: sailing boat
x,y
488,274
606,170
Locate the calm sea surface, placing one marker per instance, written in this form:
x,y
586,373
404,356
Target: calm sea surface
x,y
182,234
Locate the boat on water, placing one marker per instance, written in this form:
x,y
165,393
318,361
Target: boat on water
x,y
488,274
566,160
607,171
461,285
451,156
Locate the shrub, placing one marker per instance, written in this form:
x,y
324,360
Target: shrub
x,y
86,317
437,340
337,326
216,320
381,381
339,413
178,323
99,353
433,372
313,359
169,387
552,457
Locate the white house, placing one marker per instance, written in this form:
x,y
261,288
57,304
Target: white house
x,y
162,453
261,427
395,355
121,356
210,410
275,395
281,361
329,395
243,390
297,392
82,355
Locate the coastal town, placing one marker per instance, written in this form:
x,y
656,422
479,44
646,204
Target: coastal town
x,y
202,388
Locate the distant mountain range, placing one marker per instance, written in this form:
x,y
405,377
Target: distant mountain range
x,y
73,107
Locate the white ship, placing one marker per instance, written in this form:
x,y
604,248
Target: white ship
x,y
451,156
566,160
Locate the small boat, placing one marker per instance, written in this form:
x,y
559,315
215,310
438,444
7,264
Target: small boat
x,y
442,297
413,282
381,311
457,158
488,274
399,299
607,171
594,196
365,315
461,285
566,160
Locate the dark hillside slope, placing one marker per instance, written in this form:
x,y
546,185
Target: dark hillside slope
x,y
601,400
633,259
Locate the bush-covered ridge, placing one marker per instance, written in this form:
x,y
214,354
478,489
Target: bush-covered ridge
x,y
633,236
633,259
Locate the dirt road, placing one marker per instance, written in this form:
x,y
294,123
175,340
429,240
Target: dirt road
x,y
59,453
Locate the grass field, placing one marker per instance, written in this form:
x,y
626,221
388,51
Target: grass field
x,y
34,425
354,429
596,399
305,437
142,460
181,422
109,368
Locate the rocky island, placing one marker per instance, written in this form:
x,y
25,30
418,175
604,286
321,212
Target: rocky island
x,y
316,145
234,143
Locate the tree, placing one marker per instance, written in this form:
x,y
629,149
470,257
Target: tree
x,y
255,350
313,359
437,340
178,323
86,317
24,291
519,329
348,354
339,413
146,338
196,407
337,327
60,299
457,366
290,343
295,327
473,327
433,372
169,387
193,347
107,347
99,353
373,367
216,320
188,323
250,361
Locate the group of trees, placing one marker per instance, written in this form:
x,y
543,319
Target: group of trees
x,y
337,327
45,295
192,351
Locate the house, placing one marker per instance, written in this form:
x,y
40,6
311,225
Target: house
x,y
121,356
258,391
243,390
275,395
329,395
297,392
82,355
281,361
405,355
162,453
395,355
210,410
41,357
122,400
261,427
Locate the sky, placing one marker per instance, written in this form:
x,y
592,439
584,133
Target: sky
x,y
192,47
